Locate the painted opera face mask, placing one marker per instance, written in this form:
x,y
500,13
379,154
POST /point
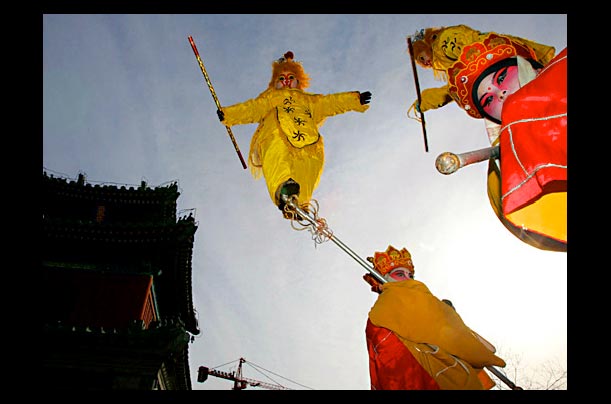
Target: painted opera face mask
x,y
494,87
399,274
286,80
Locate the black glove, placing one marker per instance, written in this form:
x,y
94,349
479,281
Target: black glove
x,y
221,115
365,97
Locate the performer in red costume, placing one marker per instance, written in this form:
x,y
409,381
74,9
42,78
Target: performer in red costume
x,y
416,341
525,109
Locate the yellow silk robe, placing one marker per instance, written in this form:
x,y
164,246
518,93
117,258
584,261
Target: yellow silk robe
x,y
446,50
287,143
451,41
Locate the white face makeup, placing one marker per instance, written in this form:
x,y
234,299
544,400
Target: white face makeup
x,y
286,80
399,274
494,89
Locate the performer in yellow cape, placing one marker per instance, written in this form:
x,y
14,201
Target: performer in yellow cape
x,y
524,106
438,48
287,147
416,341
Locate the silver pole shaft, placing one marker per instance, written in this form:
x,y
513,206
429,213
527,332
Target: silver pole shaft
x,y
503,378
448,163
333,238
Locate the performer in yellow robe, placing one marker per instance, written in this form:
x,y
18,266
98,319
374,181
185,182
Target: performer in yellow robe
x,y
416,341
287,147
439,48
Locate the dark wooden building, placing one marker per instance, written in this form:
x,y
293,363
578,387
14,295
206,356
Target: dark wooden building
x,y
116,291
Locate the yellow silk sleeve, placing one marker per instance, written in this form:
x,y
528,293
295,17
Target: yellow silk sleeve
x,y
544,53
324,106
250,111
433,98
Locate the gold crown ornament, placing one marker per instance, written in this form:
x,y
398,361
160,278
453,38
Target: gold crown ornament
x,y
386,261
474,60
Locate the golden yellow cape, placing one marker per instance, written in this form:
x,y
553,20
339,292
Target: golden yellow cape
x,y
435,334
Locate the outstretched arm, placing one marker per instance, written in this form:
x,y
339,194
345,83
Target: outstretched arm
x,y
250,111
433,98
339,103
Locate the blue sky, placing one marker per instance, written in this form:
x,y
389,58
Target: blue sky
x,y
124,101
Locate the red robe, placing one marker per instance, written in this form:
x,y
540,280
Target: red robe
x,y
417,342
391,365
533,145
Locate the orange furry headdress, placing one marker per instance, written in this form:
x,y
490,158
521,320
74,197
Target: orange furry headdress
x,y
422,42
286,63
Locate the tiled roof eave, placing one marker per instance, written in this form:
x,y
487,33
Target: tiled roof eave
x,y
118,232
59,185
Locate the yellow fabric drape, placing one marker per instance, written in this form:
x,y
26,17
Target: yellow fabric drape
x,y
451,41
435,334
548,216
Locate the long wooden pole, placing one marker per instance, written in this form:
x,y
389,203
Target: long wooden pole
x,y
411,55
216,100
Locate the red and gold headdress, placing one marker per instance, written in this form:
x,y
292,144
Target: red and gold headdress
x,y
286,63
384,262
474,60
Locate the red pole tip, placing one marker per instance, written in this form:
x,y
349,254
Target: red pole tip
x,y
193,46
